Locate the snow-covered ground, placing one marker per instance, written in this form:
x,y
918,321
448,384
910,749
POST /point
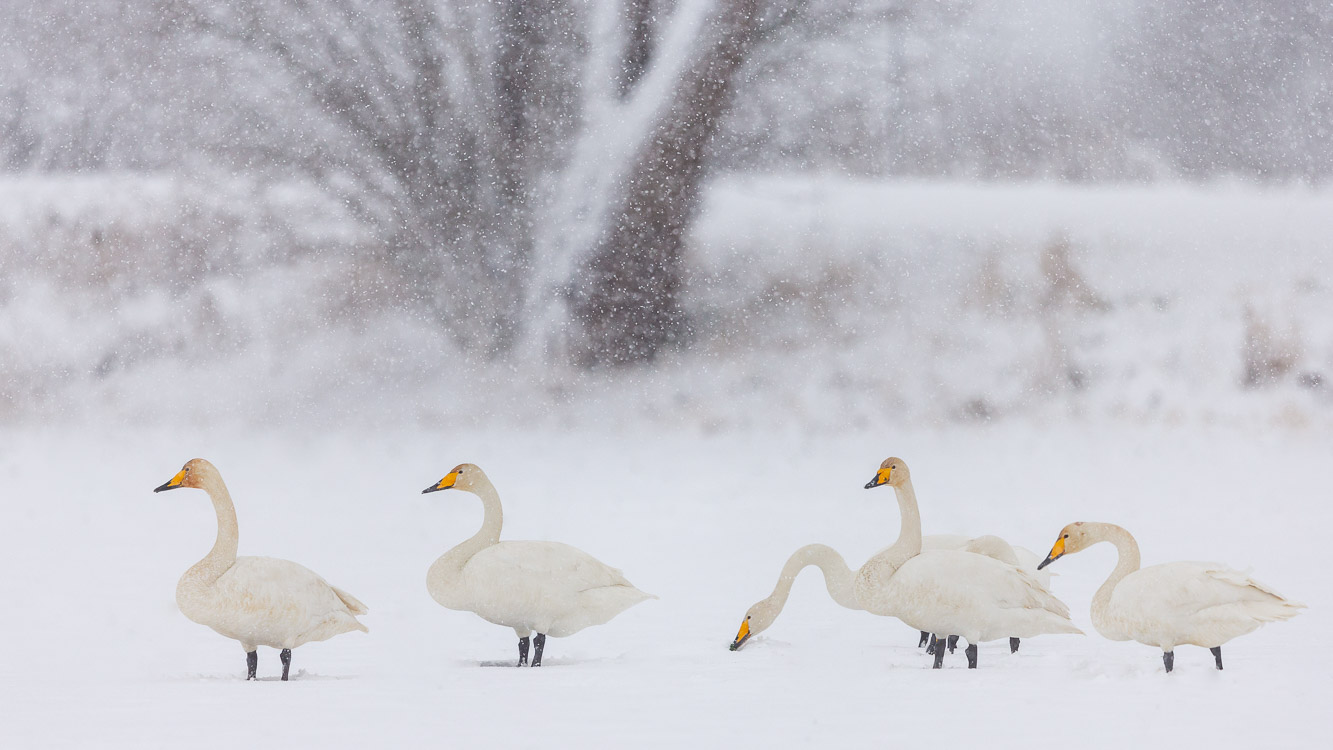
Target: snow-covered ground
x,y
96,654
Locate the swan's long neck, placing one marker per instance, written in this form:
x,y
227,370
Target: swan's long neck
x,y
223,555
452,562
837,576
1127,563
909,529
492,519
873,576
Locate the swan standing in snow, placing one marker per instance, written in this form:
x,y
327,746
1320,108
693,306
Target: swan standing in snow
x,y
1172,604
951,591
259,601
546,587
839,578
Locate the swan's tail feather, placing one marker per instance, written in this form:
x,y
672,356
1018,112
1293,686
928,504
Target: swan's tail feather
x,y
1267,605
354,605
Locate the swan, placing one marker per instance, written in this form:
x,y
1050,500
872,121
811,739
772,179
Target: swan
x,y
951,591
838,579
547,587
259,601
1172,604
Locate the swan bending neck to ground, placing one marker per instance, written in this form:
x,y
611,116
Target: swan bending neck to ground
x,y
951,591
544,587
259,601
1172,604
837,578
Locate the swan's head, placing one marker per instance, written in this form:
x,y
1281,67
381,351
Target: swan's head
x,y
461,477
195,473
892,471
1073,538
757,620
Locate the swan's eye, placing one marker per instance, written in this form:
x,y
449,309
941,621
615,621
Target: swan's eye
x,y
1066,536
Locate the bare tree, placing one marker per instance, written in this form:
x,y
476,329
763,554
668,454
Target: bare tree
x,y
626,292
454,128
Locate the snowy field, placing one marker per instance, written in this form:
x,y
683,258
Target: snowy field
x,y
98,656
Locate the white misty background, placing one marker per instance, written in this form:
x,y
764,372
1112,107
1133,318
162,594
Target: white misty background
x,y
714,214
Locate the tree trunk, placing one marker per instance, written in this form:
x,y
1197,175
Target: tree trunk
x,y
625,296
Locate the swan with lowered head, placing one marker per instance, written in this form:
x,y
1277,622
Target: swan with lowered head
x,y
839,578
951,591
259,601
544,587
1171,604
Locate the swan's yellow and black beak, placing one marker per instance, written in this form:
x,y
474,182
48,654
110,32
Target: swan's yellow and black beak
x,y
742,636
1057,551
174,483
443,484
881,477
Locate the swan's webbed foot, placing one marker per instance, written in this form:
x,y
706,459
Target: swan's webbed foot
x,y
1217,654
953,643
286,656
522,651
938,646
1013,645
1169,659
538,643
251,663
930,647
925,638
971,652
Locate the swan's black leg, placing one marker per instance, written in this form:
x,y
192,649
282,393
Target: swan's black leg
x,y
971,655
925,638
251,663
1013,645
1169,659
953,643
286,657
938,645
930,647
522,651
538,644
1217,654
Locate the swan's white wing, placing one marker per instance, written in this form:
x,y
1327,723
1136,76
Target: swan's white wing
x,y
1178,590
553,563
549,587
961,593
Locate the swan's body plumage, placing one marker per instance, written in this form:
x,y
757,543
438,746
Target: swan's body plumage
x,y
964,593
257,601
1189,603
531,586
1172,604
265,601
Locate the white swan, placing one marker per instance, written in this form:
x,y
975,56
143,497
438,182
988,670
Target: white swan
x,y
951,591
546,587
1172,604
259,601
838,579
